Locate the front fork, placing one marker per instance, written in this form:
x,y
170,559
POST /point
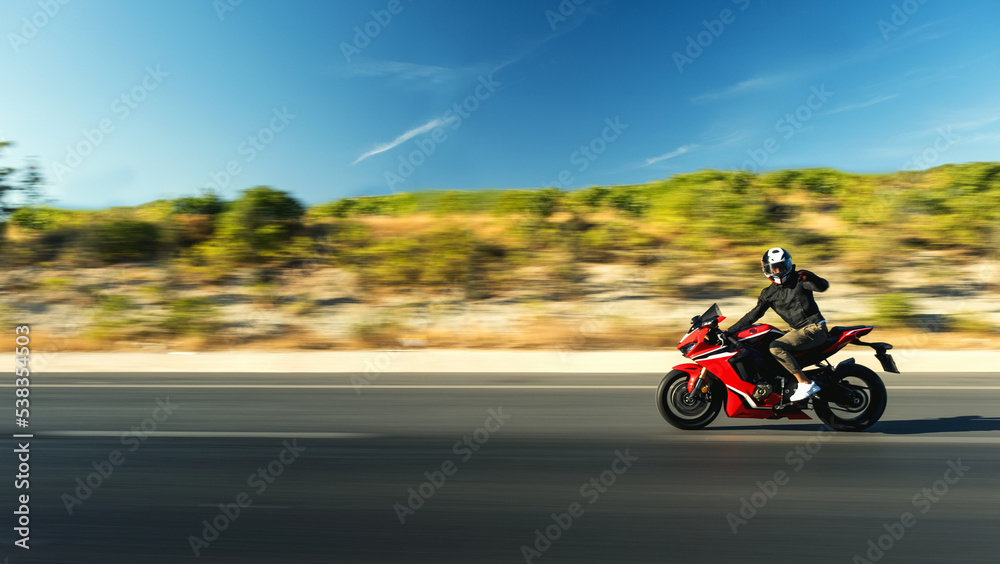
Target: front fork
x,y
700,386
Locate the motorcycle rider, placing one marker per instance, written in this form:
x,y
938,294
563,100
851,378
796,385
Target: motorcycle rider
x,y
790,295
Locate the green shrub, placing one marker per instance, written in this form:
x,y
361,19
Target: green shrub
x,y
568,272
629,200
455,202
588,199
394,204
609,240
296,252
300,304
535,234
36,218
118,327
344,240
532,203
191,316
340,208
447,257
823,181
377,332
55,283
713,209
208,204
894,310
259,223
123,240
115,303
189,230
394,261
214,261
968,322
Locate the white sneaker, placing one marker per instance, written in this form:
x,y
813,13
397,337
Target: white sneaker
x,y
803,391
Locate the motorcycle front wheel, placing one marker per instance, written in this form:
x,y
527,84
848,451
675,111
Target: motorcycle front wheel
x,y
684,410
854,402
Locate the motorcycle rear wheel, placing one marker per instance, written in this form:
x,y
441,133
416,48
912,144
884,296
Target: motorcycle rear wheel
x,y
681,409
863,400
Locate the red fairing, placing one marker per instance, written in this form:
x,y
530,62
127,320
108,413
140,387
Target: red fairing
x,y
693,371
735,398
755,330
692,337
697,339
735,388
739,401
740,404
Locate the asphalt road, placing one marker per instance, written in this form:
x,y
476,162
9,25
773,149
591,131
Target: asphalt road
x,y
324,470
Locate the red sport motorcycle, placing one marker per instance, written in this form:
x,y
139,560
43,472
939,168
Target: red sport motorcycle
x,y
737,371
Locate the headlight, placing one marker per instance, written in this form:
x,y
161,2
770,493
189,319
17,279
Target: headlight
x,y
687,348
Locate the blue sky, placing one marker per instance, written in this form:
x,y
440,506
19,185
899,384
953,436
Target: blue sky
x,y
125,102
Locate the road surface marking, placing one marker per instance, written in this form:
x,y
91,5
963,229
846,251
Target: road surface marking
x,y
942,387
871,436
429,386
750,436
350,386
214,434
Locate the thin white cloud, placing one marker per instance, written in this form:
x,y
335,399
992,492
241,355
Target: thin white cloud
x,y
976,124
675,153
727,140
561,29
980,137
438,74
927,37
851,107
880,48
404,71
733,90
717,143
966,126
436,122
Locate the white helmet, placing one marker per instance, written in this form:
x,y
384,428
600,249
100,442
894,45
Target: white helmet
x,y
777,264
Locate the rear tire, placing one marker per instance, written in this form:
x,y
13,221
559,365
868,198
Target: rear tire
x,y
864,408
682,410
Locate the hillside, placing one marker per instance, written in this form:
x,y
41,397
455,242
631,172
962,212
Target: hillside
x,y
619,266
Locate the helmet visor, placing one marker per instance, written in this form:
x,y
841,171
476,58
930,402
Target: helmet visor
x,y
779,269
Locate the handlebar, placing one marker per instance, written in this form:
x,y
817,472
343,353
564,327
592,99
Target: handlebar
x,y
727,337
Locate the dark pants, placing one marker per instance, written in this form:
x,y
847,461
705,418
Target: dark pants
x,y
806,338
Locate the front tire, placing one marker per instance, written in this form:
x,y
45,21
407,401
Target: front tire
x,y
854,402
680,408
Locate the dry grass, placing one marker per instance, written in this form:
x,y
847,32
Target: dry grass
x,y
403,226
909,339
551,333
823,222
554,335
540,334
325,308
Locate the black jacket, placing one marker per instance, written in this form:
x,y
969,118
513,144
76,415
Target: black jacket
x,y
793,301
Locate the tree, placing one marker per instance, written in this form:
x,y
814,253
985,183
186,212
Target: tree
x,y
208,203
260,221
29,185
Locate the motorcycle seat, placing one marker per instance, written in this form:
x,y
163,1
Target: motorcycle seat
x,y
815,354
839,330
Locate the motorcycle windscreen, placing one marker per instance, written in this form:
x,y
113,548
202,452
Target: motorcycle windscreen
x,y
710,315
